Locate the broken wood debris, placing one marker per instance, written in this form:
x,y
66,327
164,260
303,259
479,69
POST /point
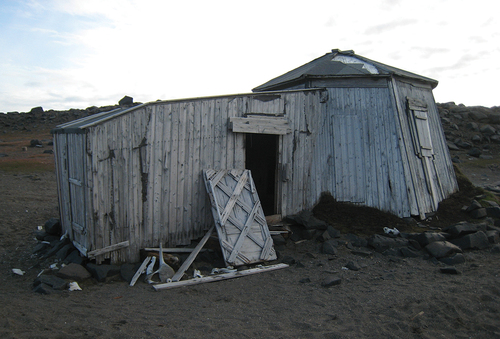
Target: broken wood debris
x,y
219,277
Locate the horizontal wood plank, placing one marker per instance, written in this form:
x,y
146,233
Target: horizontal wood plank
x,y
219,277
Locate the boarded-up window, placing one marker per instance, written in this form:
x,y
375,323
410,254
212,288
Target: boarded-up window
x,y
419,126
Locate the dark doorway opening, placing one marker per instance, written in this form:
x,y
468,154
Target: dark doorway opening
x,y
261,153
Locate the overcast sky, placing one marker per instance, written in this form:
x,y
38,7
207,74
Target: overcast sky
x,y
78,53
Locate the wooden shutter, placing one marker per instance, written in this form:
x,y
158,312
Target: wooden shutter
x,y
419,125
239,219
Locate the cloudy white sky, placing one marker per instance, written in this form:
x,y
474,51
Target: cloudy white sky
x,y
62,54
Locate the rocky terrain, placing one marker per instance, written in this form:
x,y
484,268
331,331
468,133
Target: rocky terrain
x,y
354,271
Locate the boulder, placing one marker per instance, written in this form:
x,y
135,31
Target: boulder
x,y
308,220
441,249
330,247
409,252
472,126
126,100
474,152
449,270
74,272
426,238
74,257
101,272
331,281
463,228
457,258
479,213
51,280
356,241
474,241
65,251
382,243
353,266
36,143
493,211
127,271
36,110
493,236
53,226
488,130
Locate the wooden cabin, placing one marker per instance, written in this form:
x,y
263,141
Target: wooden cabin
x,y
132,178
385,144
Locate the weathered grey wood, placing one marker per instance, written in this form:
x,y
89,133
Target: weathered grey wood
x,y
260,125
108,249
140,270
172,250
189,260
239,219
219,277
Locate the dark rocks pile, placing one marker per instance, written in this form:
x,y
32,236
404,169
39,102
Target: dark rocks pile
x,y
69,265
445,246
475,130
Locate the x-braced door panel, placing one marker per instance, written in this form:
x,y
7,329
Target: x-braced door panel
x,y
239,219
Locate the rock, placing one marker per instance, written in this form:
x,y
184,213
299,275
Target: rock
x,y
409,252
479,213
40,235
40,248
475,241
333,232
493,236
488,130
477,139
324,236
65,251
127,271
382,243
495,139
330,247
474,152
495,249
356,241
477,116
288,260
362,253
463,144
331,281
51,280
457,258
462,228
42,289
441,249
279,241
74,272
493,211
353,266
48,151
53,226
426,238
452,146
472,126
307,219
126,100
449,270
101,272
56,246
35,143
74,257
395,252
305,281
36,110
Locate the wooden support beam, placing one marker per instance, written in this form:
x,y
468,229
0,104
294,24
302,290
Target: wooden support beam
x,y
185,265
139,271
171,250
218,277
111,248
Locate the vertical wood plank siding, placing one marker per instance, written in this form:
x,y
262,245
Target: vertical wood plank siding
x,y
443,174
142,170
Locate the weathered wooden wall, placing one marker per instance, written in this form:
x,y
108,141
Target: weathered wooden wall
x,y
144,166
442,172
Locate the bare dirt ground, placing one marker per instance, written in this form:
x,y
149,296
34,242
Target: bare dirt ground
x,y
388,298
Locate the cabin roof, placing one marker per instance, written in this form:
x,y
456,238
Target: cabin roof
x,y
339,64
